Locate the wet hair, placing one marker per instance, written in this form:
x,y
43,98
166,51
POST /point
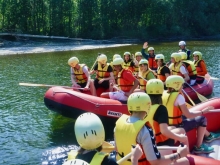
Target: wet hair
x,y
81,150
156,99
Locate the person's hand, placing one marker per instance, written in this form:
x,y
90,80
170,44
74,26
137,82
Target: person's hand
x,y
182,151
145,46
136,154
133,56
205,110
100,81
86,88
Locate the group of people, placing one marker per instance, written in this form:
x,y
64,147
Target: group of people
x,y
157,117
131,72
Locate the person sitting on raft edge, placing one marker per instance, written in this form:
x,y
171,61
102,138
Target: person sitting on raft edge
x,y
126,82
80,76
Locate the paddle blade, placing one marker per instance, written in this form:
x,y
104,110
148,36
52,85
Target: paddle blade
x,y
201,97
107,147
35,85
214,78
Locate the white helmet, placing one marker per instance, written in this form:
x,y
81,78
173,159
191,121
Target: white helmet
x,y
73,61
89,131
75,162
182,43
102,59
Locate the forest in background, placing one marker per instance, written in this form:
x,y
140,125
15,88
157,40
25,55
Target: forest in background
x,y
106,19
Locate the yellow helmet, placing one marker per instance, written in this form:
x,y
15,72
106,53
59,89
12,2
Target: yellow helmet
x,y
159,57
102,59
197,53
117,61
174,81
116,56
73,61
143,61
139,101
75,162
183,55
127,53
89,131
154,87
150,48
138,54
176,56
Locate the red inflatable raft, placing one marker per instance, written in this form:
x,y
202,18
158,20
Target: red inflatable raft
x,y
205,89
71,104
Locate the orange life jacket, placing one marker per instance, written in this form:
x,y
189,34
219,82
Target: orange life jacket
x,y
79,74
156,126
190,67
152,63
199,67
174,112
159,74
102,72
123,84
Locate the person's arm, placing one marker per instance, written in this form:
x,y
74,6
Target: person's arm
x,y
161,116
180,101
145,46
73,78
171,158
147,140
86,71
185,73
136,154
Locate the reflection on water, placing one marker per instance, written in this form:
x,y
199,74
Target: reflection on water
x,y
29,131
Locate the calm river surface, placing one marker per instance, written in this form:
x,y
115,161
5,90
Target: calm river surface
x,y
28,130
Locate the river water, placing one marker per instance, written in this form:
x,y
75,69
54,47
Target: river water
x,y
29,132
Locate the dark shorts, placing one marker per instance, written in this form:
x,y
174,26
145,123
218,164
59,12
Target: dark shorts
x,y
168,142
104,84
82,84
189,124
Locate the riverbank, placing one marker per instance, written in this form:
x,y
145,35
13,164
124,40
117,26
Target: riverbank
x,y
30,46
25,45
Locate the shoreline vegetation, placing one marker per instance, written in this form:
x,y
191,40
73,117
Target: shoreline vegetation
x,y
13,43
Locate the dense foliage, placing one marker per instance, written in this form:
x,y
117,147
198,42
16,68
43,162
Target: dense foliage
x,y
104,19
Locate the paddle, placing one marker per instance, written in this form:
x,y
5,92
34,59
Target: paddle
x,y
188,97
109,147
213,78
214,110
45,85
95,62
201,97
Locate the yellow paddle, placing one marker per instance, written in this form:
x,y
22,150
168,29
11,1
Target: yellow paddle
x,y
188,97
201,97
109,147
95,62
45,85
